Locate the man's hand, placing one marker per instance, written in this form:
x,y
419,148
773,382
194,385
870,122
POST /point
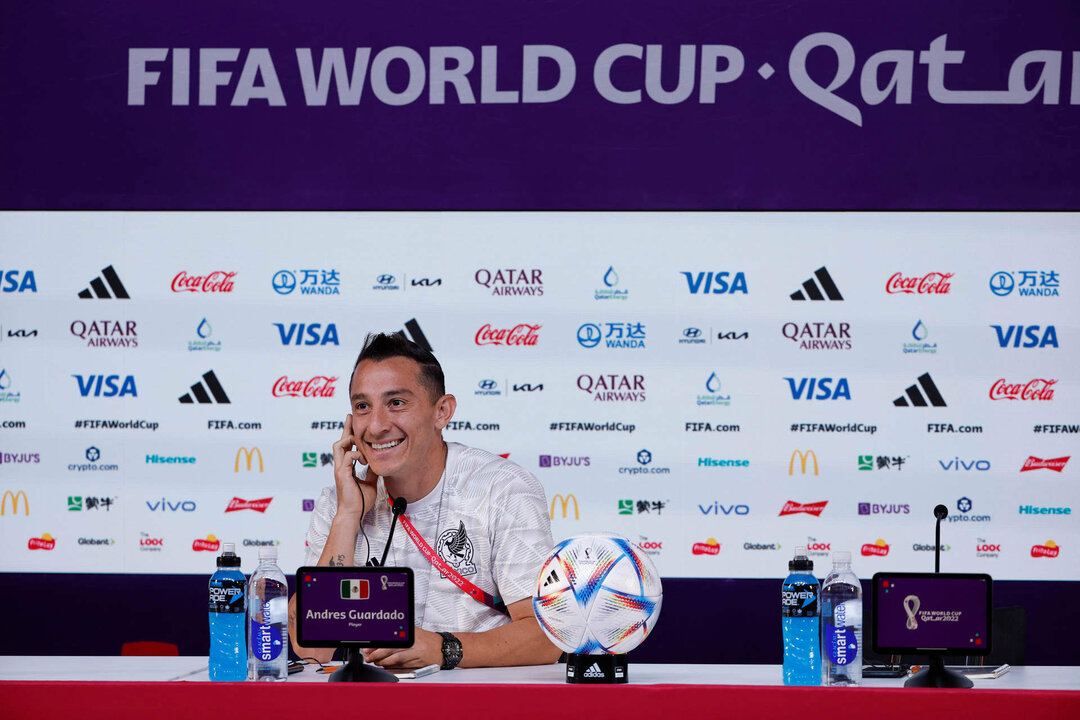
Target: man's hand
x,y
346,452
427,650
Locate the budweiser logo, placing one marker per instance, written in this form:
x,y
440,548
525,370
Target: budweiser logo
x,y
934,283
709,547
45,542
256,505
1055,464
210,544
1050,550
217,281
319,386
1037,389
517,335
875,549
791,508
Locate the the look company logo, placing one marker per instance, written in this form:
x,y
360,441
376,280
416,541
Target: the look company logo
x,y
106,333
920,347
866,508
919,399
715,283
166,505
819,388
623,336
106,385
804,458
712,396
199,392
1055,464
986,549
564,504
932,283
710,547
521,334
101,292
878,548
1033,336
1033,283
610,290
248,456
204,344
259,506
6,395
793,508
1049,549
12,499
818,335
511,281
548,461
413,332
813,290
48,542
217,281
650,547
13,283
307,334
613,388
1035,389
320,386
148,543
19,458
308,282
817,548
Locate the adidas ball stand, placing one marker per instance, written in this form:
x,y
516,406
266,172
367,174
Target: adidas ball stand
x,y
596,669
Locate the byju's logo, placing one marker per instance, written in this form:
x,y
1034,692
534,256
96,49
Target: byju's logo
x,y
715,283
610,290
920,346
819,389
1033,336
218,281
919,399
934,283
713,398
100,291
294,334
613,388
106,333
309,282
13,283
548,461
1046,284
813,290
204,344
413,332
866,508
106,385
199,392
1036,389
819,335
511,281
618,335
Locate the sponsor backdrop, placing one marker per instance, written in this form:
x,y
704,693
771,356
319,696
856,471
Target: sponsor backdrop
x,y
170,382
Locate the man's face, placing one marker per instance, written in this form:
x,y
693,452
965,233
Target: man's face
x,y
395,422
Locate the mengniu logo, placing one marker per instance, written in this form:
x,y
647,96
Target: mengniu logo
x,y
1040,283
106,333
1048,550
715,283
1055,464
199,392
259,506
932,283
813,290
248,455
106,385
98,289
793,508
11,499
217,281
13,283
511,281
320,386
315,334
819,388
208,544
564,505
1033,336
47,542
520,335
1036,389
803,457
709,547
919,399
878,548
308,282
818,335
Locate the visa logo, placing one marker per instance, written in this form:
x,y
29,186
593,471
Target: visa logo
x,y
106,385
821,386
13,284
715,283
1012,336
315,335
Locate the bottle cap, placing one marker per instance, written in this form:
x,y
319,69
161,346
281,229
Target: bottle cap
x,y
841,556
228,556
268,553
801,562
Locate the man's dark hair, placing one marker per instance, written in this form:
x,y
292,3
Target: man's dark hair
x,y
383,346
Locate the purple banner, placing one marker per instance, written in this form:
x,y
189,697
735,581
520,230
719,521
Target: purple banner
x,y
554,105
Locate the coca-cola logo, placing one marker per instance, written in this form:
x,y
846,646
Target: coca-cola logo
x,y
209,544
1036,389
319,386
1055,464
934,283
45,542
879,548
1049,550
217,281
791,508
709,547
522,334
257,505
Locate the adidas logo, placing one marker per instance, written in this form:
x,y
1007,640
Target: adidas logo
x,y
594,671
102,292
814,292
918,399
551,579
414,333
198,390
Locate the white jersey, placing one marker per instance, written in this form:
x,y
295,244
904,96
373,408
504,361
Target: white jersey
x,y
487,518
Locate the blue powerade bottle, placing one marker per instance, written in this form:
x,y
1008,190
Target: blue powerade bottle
x,y
228,613
799,607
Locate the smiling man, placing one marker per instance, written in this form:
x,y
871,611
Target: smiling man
x,y
474,514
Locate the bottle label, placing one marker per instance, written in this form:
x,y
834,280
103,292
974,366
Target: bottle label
x,y
841,645
799,600
266,642
227,596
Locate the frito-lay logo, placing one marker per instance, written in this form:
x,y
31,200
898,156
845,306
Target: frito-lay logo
x,y
46,542
791,508
709,547
878,548
1049,550
256,505
210,544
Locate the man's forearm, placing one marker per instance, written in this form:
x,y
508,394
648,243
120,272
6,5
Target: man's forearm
x,y
520,642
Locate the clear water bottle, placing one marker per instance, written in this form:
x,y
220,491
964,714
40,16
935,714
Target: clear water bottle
x,y
268,609
799,609
841,623
228,659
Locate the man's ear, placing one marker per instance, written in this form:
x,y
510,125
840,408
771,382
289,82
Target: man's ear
x,y
444,410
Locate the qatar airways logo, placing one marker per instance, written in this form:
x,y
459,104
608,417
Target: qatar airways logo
x,y
933,283
523,334
1037,389
319,386
257,505
219,281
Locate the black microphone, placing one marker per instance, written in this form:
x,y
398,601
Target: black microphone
x,y
940,512
398,510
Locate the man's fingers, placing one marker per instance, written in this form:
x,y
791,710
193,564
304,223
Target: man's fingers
x,y
346,427
354,456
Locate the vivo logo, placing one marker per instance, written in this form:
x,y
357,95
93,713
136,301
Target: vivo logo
x,y
164,505
716,509
958,464
106,385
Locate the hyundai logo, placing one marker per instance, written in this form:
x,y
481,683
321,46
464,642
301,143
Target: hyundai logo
x,y
691,333
284,282
588,335
487,384
386,280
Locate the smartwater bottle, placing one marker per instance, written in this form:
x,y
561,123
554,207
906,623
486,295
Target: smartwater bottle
x,y
841,623
228,658
799,609
268,608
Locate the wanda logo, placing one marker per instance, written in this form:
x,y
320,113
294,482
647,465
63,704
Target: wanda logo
x,y
815,509
1037,389
518,335
256,505
319,386
934,283
217,281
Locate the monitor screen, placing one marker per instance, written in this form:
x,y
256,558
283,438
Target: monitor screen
x,y
932,612
354,606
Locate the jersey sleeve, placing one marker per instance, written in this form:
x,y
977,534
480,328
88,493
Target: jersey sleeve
x,y
521,534
319,528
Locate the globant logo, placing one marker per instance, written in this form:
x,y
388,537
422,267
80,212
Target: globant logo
x,y
1048,550
610,290
517,336
208,544
96,541
879,548
760,546
45,542
511,281
933,283
548,461
257,505
218,281
713,398
1036,389
248,542
709,547
866,508
1055,464
309,282
919,547
320,386
613,388
106,333
818,335
793,508
623,336
1002,283
1033,510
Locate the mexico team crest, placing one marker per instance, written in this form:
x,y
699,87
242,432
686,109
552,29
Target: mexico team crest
x,y
456,548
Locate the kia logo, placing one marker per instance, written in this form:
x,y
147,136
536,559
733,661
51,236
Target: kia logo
x,y
487,384
386,280
691,333
284,282
588,335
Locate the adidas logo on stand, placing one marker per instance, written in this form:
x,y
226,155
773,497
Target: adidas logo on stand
x,y
100,291
917,398
594,671
814,292
414,333
551,579
198,390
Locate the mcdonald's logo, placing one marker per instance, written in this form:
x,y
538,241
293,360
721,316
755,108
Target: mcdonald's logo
x,y
803,457
14,497
248,455
564,502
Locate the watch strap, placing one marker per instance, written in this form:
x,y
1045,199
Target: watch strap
x,y
451,651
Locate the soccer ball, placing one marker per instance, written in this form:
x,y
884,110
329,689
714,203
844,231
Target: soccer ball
x,y
597,593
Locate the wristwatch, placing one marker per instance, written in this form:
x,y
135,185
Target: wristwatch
x,y
451,651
